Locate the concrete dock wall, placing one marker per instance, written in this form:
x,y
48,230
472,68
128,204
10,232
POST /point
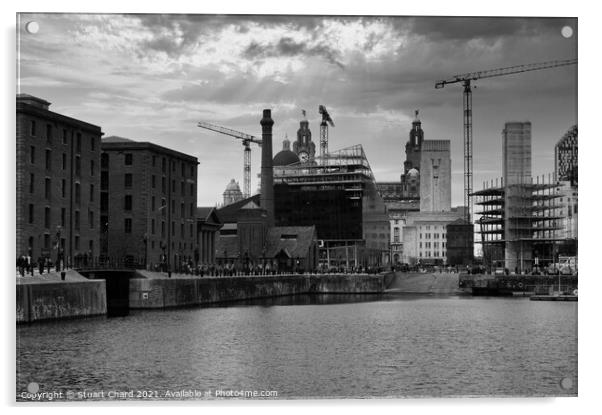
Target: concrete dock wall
x,y
178,292
58,300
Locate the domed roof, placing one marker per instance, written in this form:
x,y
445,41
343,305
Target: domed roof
x,y
285,157
233,186
413,172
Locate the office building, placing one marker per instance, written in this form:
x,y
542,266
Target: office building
x,y
435,176
338,195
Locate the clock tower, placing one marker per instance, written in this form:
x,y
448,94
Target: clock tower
x,y
304,147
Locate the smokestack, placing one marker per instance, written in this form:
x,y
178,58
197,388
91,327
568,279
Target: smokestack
x,y
267,171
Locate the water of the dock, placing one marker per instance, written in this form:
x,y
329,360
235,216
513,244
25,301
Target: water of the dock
x,y
425,283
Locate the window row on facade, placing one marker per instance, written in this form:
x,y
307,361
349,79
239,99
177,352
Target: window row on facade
x,y
52,133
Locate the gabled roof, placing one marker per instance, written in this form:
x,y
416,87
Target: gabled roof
x,y
229,213
293,240
206,214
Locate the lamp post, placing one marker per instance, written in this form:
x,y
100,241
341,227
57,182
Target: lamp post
x,y
145,241
58,247
163,258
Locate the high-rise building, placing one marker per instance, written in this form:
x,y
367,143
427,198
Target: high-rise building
x,y
148,203
516,150
435,176
58,183
565,157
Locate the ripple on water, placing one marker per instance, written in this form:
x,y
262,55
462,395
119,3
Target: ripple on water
x,y
377,347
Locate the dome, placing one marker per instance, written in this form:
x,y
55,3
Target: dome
x,y
285,157
233,186
413,172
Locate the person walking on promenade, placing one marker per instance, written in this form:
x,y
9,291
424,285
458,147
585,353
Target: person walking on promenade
x,y
41,265
21,265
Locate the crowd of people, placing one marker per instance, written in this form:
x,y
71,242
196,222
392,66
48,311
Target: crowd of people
x,y
27,266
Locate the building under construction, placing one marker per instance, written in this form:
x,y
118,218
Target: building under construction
x,y
519,223
336,193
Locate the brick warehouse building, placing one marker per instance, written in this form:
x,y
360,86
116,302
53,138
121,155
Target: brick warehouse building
x,y
148,203
58,182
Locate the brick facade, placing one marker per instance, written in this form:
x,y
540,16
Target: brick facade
x,y
58,182
149,202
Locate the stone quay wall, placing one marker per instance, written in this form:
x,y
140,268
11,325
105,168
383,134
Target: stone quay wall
x,y
60,300
179,292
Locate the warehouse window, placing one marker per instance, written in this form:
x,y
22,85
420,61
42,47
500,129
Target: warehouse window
x,y
128,180
31,213
78,193
47,188
32,128
48,159
31,182
129,159
78,143
128,225
49,133
128,202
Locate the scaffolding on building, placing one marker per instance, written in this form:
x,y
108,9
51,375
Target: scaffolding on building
x,y
346,169
519,223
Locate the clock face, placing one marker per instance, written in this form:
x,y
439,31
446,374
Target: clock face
x,y
303,156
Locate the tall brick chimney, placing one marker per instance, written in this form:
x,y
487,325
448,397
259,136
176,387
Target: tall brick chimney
x,y
267,171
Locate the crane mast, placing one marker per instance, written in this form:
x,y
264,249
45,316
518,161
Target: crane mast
x,y
326,119
247,139
466,79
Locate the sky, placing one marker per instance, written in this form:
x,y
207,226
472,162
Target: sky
x,y
152,77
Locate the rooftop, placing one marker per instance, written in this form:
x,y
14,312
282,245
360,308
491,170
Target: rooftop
x,y
116,143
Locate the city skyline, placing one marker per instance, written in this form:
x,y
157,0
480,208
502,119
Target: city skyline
x,y
156,76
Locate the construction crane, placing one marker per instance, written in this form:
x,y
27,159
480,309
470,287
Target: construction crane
x,y
466,79
246,142
326,119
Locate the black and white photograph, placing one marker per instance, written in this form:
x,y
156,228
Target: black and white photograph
x,y
250,207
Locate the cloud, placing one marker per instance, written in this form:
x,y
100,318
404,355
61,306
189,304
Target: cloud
x,y
287,47
154,76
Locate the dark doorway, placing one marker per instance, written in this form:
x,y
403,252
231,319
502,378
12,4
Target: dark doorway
x,y
118,290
